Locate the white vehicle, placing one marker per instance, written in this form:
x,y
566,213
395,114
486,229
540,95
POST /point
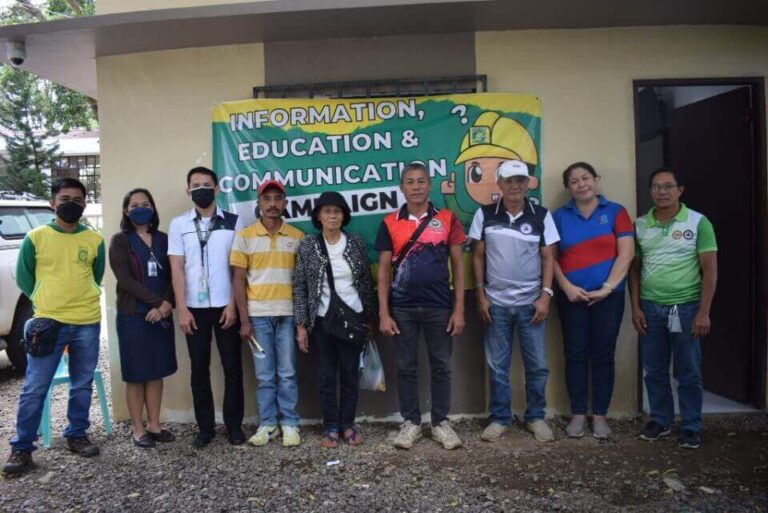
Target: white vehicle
x,y
17,217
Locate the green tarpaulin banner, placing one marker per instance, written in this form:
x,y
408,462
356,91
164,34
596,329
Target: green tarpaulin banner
x,y
359,146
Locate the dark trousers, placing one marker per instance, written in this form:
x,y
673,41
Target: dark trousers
x,y
589,340
433,321
199,344
335,356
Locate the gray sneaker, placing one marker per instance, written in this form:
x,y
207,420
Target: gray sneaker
x,y
541,431
444,434
409,433
493,432
576,427
600,428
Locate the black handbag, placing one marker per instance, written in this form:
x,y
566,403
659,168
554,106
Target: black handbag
x,y
40,335
341,321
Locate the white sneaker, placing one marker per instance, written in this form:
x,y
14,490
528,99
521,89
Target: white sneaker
x,y
541,431
576,427
264,434
409,433
493,432
600,428
291,436
444,434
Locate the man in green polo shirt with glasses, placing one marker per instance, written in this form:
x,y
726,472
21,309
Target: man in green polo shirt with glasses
x,y
672,283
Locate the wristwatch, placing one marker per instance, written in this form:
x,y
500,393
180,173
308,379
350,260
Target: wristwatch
x,y
548,291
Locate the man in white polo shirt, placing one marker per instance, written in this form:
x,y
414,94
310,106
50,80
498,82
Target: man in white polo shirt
x,y
263,258
199,242
513,260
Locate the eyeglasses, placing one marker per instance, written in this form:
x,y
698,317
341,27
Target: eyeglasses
x,y
666,187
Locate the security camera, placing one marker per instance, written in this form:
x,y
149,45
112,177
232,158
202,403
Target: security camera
x,y
17,52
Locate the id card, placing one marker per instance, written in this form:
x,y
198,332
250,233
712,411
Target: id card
x,y
152,269
202,294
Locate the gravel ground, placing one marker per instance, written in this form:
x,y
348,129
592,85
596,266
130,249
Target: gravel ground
x,y
729,473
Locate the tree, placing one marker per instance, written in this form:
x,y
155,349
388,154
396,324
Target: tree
x,y
33,110
23,120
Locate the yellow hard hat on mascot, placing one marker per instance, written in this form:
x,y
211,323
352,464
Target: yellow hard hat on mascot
x,y
497,137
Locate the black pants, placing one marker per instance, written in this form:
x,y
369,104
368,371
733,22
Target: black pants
x,y
199,344
433,321
335,356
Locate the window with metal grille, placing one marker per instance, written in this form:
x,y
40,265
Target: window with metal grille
x,y
86,168
396,87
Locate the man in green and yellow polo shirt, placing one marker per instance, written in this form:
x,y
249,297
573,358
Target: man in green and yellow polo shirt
x,y
263,258
672,285
60,267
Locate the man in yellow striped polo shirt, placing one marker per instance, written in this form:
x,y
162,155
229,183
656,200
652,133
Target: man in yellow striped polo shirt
x,y
263,258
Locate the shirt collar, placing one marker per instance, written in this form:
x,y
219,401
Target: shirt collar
x,y
192,214
682,215
601,202
261,230
501,207
80,227
405,215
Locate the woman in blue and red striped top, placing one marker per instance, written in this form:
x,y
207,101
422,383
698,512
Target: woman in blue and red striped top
x,y
594,253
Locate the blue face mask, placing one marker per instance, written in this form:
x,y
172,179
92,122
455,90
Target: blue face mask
x,y
141,215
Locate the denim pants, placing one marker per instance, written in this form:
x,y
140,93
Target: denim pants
x,y
589,340
336,356
230,351
657,347
498,355
83,342
278,391
433,321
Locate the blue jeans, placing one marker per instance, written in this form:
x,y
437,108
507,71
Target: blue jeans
x,y
498,354
83,342
278,391
656,349
589,340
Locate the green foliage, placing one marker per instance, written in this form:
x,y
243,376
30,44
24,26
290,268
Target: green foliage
x,y
23,121
33,110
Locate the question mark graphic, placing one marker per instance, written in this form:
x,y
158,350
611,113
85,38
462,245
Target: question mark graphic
x,y
461,110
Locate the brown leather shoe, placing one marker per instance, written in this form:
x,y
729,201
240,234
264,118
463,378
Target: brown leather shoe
x,y
18,463
82,446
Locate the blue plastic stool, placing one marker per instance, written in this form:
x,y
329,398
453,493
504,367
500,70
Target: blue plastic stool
x,y
62,377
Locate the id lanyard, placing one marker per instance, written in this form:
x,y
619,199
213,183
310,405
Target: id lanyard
x,y
203,294
153,265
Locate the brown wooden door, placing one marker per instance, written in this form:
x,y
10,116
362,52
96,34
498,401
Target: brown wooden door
x,y
710,141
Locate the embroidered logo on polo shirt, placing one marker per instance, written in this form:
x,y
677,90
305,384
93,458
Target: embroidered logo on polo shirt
x,y
603,219
688,234
677,234
82,256
435,225
526,228
291,245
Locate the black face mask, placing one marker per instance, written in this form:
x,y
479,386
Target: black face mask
x,y
70,212
202,197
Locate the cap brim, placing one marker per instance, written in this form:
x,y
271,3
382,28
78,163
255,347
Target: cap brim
x,y
487,150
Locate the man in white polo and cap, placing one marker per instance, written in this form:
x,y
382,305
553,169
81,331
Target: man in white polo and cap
x,y
513,260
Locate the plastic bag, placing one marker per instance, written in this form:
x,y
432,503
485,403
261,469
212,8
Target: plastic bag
x,y
372,372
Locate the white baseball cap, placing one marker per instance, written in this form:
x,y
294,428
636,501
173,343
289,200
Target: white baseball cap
x,y
511,168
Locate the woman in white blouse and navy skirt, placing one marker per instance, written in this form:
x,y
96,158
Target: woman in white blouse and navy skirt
x,y
312,296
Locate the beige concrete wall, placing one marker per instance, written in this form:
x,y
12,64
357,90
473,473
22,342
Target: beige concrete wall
x,y
155,115
155,124
584,79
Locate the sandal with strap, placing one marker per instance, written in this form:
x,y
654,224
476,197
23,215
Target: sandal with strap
x,y
352,437
330,440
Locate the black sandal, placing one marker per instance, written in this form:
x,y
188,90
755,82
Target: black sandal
x,y
145,441
163,436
